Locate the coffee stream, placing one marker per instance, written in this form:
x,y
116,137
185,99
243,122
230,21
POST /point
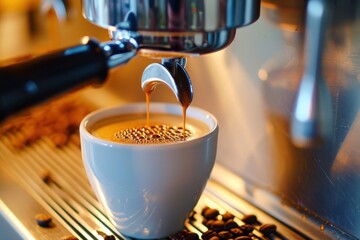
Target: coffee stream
x,y
184,108
159,130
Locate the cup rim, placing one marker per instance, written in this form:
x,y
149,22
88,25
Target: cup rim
x,y
157,107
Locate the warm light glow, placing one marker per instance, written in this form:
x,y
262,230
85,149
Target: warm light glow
x,y
262,74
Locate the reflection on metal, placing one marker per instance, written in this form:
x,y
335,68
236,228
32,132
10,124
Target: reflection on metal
x,y
183,27
324,180
58,6
172,15
312,118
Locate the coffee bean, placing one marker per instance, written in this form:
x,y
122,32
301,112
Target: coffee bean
x,y
208,223
225,234
214,238
204,209
224,227
210,213
243,238
105,236
230,224
208,234
268,229
246,229
249,219
237,232
75,139
57,120
109,237
217,225
227,216
46,177
43,220
191,236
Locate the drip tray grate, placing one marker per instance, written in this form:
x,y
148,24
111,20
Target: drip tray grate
x,y
56,181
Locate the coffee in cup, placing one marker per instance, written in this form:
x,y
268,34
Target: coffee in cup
x,y
160,129
148,189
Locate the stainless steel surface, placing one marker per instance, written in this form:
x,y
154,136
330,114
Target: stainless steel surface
x,y
182,27
161,16
171,73
312,117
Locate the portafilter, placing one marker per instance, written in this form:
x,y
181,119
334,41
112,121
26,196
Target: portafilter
x,y
157,28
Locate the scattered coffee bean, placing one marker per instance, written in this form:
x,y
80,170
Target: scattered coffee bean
x,y
214,238
43,220
58,120
227,216
59,139
217,225
184,235
243,238
109,237
204,209
210,213
225,227
208,223
225,234
105,236
191,236
230,224
246,229
249,219
237,232
208,234
268,229
46,177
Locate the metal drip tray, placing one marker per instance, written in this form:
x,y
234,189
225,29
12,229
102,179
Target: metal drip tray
x,y
42,178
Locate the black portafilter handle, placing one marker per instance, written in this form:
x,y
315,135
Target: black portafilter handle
x,y
31,82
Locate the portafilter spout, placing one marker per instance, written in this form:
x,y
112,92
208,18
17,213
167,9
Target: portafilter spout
x,y
171,73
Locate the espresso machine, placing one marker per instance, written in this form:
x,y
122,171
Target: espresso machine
x,y
282,77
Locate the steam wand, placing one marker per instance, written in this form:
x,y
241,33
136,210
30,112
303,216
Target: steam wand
x,y
312,119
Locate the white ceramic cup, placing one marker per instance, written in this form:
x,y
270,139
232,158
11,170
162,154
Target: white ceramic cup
x,y
147,191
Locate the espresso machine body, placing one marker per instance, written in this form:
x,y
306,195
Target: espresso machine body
x,y
320,180
251,82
